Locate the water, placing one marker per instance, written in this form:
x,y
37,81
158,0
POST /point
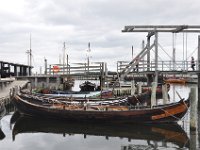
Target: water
x,y
32,133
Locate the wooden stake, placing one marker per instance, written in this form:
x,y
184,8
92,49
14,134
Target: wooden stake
x,y
164,93
153,93
193,109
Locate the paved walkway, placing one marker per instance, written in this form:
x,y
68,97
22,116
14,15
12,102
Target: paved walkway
x,y
4,93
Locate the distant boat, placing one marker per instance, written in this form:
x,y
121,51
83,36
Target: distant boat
x,y
176,80
170,133
167,113
87,86
68,84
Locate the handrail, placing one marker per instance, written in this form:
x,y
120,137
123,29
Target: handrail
x,y
162,66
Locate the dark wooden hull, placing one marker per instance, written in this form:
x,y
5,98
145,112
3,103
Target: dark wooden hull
x,y
87,86
161,114
164,132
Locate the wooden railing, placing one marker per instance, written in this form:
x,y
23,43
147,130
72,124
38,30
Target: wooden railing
x,y
162,66
79,68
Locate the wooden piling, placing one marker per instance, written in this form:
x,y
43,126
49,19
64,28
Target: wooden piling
x,y
198,68
139,87
198,85
57,83
193,109
153,93
164,94
36,82
193,140
132,87
47,82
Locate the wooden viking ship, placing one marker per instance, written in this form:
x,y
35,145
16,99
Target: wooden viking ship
x,y
167,113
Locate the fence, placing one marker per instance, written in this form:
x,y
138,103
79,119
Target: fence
x,y
162,66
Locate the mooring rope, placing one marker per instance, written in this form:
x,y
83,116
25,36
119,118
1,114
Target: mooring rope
x,y
172,114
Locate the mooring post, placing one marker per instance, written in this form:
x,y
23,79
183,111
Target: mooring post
x,y
198,67
47,82
153,93
193,119
164,94
132,87
36,82
139,87
193,136
57,82
193,140
193,109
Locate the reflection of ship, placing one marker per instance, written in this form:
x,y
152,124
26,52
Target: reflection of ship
x,y
169,133
14,117
2,135
2,114
2,110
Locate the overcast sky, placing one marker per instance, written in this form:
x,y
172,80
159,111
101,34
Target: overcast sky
x,y
77,22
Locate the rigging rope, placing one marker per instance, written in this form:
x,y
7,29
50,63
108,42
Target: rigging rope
x,y
164,51
172,114
183,46
192,53
186,47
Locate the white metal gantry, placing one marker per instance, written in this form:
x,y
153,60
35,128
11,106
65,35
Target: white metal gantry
x,y
153,30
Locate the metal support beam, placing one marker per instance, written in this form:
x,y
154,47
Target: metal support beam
x,y
162,28
131,65
150,34
15,70
148,54
156,57
198,58
45,66
180,28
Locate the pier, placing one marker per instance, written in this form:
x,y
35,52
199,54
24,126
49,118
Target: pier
x,y
8,69
5,91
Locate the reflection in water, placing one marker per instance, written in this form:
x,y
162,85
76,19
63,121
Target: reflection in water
x,y
170,133
2,114
2,135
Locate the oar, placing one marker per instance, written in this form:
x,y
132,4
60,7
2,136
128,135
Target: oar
x,y
181,99
179,95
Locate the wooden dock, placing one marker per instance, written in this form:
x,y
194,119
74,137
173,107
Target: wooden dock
x,y
5,92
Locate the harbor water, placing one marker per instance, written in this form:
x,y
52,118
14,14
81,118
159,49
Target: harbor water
x,y
26,133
